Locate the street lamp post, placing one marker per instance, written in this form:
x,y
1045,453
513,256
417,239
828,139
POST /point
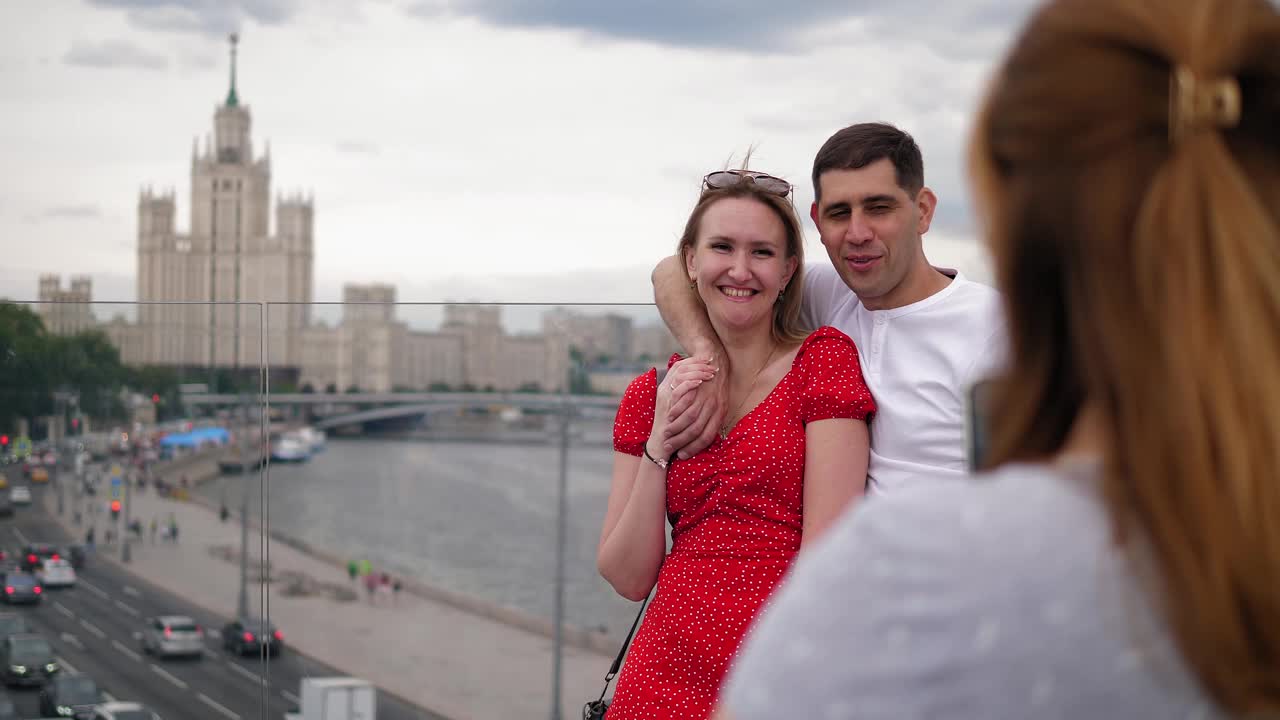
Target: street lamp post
x,y
62,398
124,529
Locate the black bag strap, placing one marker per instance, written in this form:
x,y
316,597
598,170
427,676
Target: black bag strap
x,y
617,662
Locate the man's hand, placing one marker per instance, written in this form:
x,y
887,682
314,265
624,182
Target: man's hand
x,y
695,414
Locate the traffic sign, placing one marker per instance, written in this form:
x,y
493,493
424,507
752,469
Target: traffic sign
x,y
22,447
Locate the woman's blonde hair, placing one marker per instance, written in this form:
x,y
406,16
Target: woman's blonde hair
x,y
787,326
1139,255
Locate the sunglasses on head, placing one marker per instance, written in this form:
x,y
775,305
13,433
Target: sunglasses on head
x,y
723,179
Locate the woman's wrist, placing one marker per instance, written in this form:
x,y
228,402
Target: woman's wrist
x,y
653,445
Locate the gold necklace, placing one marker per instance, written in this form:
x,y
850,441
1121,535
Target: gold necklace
x,y
728,423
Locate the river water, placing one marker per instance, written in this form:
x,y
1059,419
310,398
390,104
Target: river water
x,y
475,518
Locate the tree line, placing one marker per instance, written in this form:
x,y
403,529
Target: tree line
x,y
81,375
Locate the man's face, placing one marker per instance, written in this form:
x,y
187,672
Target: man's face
x,y
871,229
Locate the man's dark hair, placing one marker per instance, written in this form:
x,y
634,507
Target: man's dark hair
x,y
857,146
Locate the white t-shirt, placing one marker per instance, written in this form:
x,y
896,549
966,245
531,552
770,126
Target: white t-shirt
x,y
919,361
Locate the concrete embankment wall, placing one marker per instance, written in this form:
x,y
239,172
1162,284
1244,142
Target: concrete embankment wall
x,y
203,467
196,468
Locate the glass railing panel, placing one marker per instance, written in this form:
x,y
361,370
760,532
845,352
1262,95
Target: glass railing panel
x,y
110,437
424,443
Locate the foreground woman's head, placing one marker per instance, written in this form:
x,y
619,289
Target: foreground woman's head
x,y
1127,164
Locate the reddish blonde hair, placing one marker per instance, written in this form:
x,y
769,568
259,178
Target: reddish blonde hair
x,y
1143,274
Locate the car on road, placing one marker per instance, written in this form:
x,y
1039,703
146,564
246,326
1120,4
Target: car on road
x,y
6,505
172,635
250,635
71,696
76,554
34,555
14,624
20,495
4,481
39,475
28,660
123,711
57,572
22,587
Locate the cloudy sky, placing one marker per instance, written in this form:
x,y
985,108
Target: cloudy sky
x,y
493,150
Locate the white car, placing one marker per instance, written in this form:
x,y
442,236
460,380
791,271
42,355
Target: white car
x,y
172,635
57,573
123,711
20,495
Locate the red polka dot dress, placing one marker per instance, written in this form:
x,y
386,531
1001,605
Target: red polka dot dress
x,y
735,514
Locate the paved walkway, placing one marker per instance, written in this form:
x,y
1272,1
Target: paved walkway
x,y
455,663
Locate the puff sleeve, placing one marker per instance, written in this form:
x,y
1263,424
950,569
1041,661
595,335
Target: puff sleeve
x,y
833,383
634,421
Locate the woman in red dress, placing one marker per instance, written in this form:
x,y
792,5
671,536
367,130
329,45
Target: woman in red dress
x,y
791,456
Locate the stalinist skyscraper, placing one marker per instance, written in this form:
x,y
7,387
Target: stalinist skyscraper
x,y
228,256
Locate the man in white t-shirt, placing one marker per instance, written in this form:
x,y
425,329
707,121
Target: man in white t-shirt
x,y
924,334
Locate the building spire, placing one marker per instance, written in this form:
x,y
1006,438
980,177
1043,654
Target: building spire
x,y
233,100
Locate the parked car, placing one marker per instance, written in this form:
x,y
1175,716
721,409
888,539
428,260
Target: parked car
x,y
249,635
13,624
20,495
70,696
28,660
172,635
57,572
123,711
22,587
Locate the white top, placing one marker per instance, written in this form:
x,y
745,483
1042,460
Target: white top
x,y
999,598
919,361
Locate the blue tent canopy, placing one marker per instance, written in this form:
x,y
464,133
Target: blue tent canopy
x,y
196,438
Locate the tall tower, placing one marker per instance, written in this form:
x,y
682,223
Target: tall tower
x,y
65,312
229,260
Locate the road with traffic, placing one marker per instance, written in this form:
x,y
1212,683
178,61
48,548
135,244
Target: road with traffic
x,y
94,628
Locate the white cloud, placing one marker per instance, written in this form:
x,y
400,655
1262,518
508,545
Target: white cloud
x,y
114,54
460,149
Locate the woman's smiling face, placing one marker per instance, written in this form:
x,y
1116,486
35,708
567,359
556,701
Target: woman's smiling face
x,y
739,262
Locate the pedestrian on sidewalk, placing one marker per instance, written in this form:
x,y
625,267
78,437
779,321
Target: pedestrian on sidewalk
x,y
173,528
353,569
395,591
370,586
154,526
384,585
223,513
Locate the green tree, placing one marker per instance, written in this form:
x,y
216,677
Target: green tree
x,y
24,379
34,365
